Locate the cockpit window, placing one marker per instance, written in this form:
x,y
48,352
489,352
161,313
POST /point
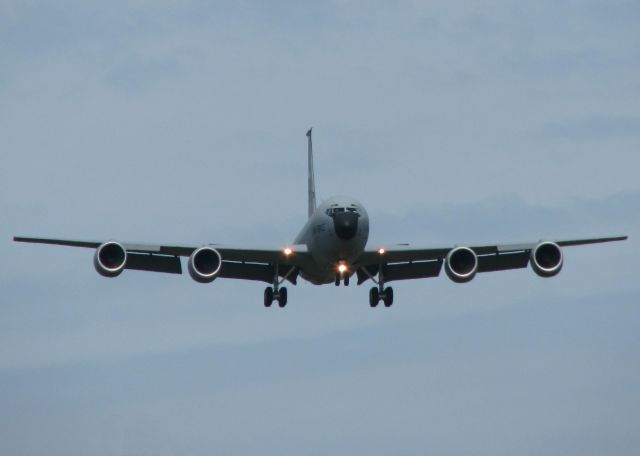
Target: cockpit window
x,y
337,210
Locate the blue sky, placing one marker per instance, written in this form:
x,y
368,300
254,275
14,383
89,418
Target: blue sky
x,y
183,122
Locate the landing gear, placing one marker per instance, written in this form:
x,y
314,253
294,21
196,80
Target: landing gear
x,y
268,296
379,293
386,296
276,292
280,296
374,297
342,278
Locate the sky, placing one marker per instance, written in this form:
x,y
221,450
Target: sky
x,y
183,122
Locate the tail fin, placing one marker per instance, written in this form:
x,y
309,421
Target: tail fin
x,y
312,182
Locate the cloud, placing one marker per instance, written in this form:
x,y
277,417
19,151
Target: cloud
x,y
428,380
184,122
592,128
512,218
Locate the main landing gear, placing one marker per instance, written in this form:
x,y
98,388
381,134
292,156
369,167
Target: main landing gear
x,y
270,295
276,292
377,294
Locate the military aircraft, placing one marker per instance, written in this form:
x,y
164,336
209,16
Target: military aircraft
x,y
331,248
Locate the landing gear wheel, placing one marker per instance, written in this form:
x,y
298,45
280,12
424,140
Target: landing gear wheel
x,y
374,297
268,296
337,280
388,297
282,298
346,281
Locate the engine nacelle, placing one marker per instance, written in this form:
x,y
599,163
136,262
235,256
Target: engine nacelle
x,y
546,259
204,264
461,264
110,259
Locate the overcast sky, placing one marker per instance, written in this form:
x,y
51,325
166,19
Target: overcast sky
x,y
452,122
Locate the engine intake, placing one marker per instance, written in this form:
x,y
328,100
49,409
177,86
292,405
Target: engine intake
x,y
110,259
546,259
461,264
204,264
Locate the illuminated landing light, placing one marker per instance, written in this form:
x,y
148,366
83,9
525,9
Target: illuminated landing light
x,y
288,251
381,251
342,268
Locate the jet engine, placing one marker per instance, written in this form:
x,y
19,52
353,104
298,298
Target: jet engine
x,y
204,264
546,259
110,259
461,264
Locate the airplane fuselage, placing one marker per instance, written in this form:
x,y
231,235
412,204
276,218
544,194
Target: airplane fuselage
x,y
335,234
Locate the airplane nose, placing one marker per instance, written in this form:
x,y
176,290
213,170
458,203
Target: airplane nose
x,y
346,225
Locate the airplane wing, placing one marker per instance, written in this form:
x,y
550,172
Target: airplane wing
x,y
249,263
403,262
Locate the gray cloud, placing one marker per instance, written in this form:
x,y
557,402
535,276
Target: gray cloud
x,y
429,380
593,128
184,122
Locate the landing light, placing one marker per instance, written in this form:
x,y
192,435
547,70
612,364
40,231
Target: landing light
x,y
342,268
288,251
381,251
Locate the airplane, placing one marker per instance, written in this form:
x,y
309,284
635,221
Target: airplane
x,y
332,247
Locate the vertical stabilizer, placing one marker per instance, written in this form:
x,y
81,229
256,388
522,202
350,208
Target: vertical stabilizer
x,y
312,182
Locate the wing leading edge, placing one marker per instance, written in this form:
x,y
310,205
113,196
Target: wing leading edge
x,y
400,262
404,262
249,263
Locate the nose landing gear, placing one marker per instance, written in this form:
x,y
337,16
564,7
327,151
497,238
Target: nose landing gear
x,y
340,278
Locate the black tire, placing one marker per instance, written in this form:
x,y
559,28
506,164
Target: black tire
x,y
374,297
388,297
346,281
337,281
282,298
268,296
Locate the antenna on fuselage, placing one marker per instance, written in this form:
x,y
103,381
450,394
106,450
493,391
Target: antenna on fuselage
x,y
311,182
